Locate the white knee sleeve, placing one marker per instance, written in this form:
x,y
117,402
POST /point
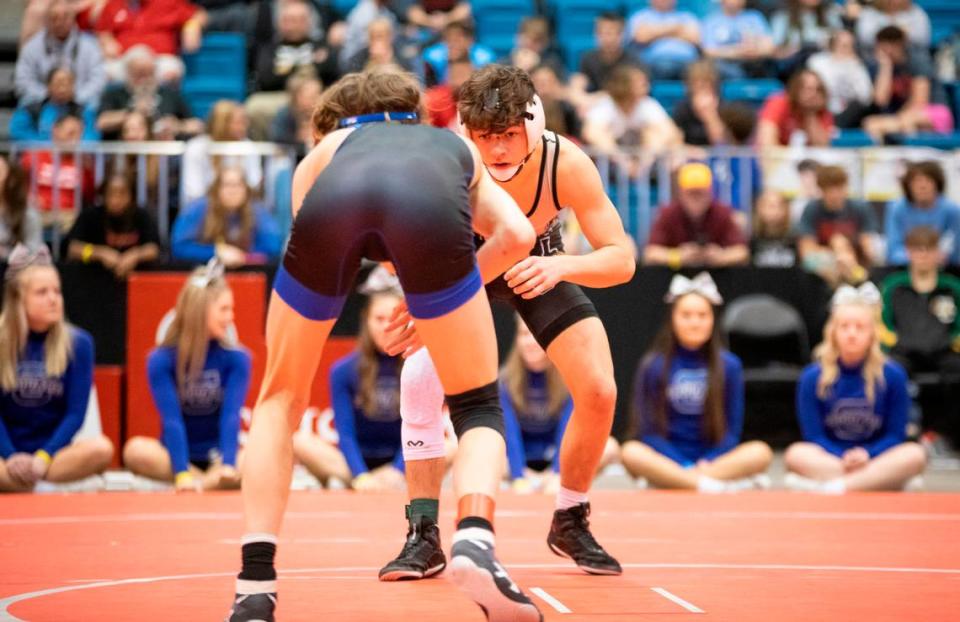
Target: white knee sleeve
x,y
421,407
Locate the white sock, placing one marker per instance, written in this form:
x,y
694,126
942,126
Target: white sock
x,y
249,538
477,534
836,486
567,498
711,485
256,587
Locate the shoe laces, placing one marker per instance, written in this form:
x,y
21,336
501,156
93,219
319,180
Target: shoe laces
x,y
580,525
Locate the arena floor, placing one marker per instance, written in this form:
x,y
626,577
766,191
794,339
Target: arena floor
x,y
748,557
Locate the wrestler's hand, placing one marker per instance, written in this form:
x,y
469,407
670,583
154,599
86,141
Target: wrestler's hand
x,y
535,275
401,331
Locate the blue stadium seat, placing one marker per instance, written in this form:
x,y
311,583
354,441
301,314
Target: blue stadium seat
x,y
573,49
343,7
700,8
937,141
852,138
944,18
668,92
497,22
953,90
750,91
202,93
573,25
218,70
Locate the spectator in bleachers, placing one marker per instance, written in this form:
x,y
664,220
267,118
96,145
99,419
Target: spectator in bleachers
x,y
358,20
136,129
626,116
923,204
837,235
738,40
441,100
433,16
665,39
773,244
922,325
290,51
596,65
688,403
852,404
292,124
382,49
226,224
904,14
737,175
162,104
63,181
848,84
797,117
906,95
198,378
19,223
807,188
536,410
227,122
365,394
560,113
34,121
46,373
114,232
698,114
458,42
802,29
696,229
60,44
534,47
164,26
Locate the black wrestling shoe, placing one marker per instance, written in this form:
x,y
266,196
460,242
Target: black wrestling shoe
x,y
253,608
475,570
570,537
421,556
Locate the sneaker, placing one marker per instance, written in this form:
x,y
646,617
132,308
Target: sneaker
x,y
421,556
570,537
475,570
253,608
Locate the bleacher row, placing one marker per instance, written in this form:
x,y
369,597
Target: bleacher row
x,y
218,70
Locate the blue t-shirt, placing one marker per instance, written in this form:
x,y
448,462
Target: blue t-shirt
x,y
664,48
533,434
30,123
45,412
846,419
186,241
686,392
367,435
901,217
722,30
203,417
734,175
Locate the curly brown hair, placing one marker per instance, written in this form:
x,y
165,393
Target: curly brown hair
x,y
495,98
381,89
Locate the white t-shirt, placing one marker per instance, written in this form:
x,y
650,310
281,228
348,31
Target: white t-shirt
x,y
846,80
645,113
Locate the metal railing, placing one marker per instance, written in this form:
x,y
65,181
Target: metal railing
x,y
636,191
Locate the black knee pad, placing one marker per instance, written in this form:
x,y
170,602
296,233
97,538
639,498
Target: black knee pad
x,y
476,408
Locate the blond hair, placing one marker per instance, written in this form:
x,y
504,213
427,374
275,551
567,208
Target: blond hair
x,y
14,329
828,355
188,332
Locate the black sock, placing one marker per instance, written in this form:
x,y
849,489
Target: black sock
x,y
258,562
475,521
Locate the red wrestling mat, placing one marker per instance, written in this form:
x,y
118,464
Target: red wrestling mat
x,y
758,556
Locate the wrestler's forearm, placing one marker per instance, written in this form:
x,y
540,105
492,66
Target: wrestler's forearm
x,y
604,267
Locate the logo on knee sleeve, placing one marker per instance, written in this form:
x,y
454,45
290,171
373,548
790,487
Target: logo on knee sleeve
x,y
414,443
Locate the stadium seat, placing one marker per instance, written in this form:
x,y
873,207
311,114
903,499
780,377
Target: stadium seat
x,y
343,7
218,70
573,25
497,22
852,138
944,19
668,92
700,8
931,139
750,91
573,49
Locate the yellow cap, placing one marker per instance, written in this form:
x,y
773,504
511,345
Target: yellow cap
x,y
695,175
